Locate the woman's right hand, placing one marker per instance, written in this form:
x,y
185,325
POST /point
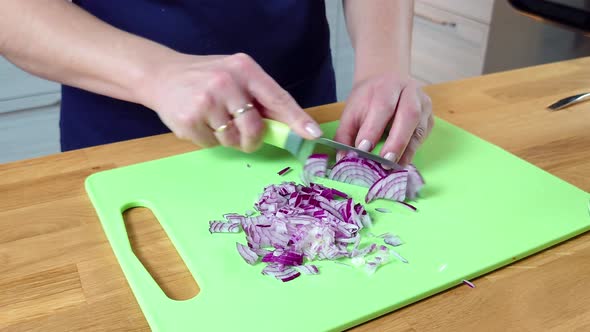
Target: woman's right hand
x,y
195,95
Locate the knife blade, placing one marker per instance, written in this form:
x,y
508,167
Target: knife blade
x,y
565,102
281,136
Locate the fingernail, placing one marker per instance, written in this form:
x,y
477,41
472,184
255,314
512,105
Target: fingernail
x,y
365,145
313,129
389,156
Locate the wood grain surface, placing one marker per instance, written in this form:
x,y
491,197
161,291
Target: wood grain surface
x,y
58,272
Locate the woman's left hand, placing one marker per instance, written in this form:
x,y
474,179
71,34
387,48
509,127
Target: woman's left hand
x,y
384,100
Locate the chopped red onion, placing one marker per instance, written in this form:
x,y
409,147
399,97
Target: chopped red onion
x,y
287,258
392,240
308,269
371,267
247,254
396,254
284,170
234,217
216,226
381,258
281,272
469,283
365,251
298,224
409,206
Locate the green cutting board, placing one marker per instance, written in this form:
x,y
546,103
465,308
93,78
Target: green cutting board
x,y
481,208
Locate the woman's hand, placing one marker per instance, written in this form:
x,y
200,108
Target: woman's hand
x,y
384,100
213,100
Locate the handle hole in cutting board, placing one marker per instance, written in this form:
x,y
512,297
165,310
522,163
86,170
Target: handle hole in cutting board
x,y
155,251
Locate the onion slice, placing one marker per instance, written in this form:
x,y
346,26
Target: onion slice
x,y
391,187
316,165
357,171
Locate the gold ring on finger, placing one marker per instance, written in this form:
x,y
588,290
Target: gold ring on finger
x,y
222,128
242,110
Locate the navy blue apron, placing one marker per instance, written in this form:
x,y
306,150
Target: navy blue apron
x,y
288,38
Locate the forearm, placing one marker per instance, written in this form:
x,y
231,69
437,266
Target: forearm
x,y
57,40
381,35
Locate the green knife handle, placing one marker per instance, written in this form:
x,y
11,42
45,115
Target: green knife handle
x,y
276,133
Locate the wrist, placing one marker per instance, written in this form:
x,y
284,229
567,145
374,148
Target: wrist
x,y
367,66
364,74
147,75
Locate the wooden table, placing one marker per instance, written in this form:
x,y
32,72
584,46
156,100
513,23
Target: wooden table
x,y
58,272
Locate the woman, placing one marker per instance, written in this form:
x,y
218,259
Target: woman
x,y
210,70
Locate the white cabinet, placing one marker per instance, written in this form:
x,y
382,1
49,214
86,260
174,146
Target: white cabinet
x,y
446,46
449,39
29,114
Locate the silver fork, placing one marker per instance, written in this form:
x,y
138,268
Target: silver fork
x,y
565,102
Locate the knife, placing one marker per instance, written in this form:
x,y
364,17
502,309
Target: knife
x,y
280,135
565,102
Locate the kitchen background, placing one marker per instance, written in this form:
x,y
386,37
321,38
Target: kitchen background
x,y
452,39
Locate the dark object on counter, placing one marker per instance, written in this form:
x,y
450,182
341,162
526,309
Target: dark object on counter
x,y
573,14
